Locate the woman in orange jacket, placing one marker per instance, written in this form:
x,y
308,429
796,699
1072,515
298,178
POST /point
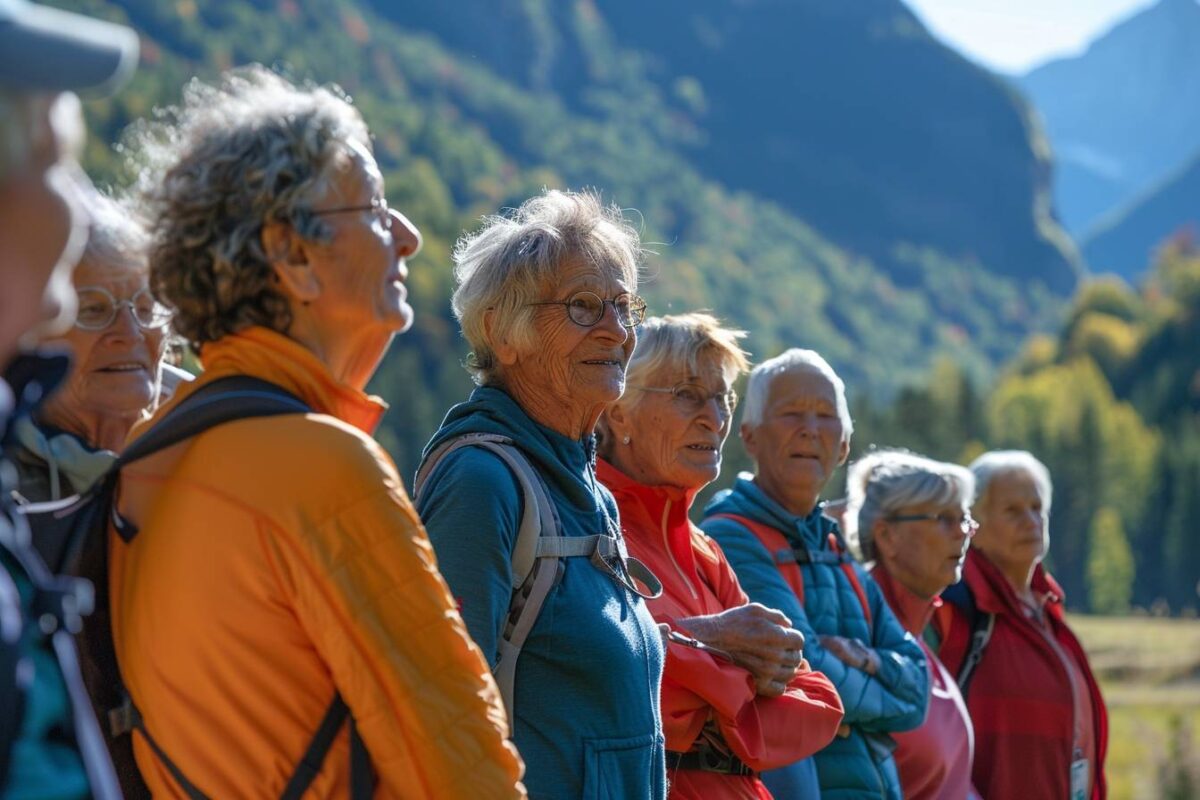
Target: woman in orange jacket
x,y
278,561
737,695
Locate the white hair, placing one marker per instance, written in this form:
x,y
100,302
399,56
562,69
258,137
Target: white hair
x,y
880,483
1007,462
758,387
506,265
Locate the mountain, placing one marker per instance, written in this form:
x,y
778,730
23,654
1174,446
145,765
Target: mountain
x,y
1125,114
546,93
1125,243
849,115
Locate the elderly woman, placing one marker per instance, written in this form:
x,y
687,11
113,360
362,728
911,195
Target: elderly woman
x,y
796,426
1041,728
910,516
546,299
277,562
116,347
725,717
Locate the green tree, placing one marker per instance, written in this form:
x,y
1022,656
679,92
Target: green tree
x,y
1110,567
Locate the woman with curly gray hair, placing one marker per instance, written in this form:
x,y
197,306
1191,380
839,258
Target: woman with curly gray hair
x,y
910,515
278,564
546,298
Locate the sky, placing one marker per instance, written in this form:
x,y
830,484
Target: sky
x,y
1012,36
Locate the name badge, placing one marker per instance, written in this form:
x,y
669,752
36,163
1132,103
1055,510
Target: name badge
x,y
1079,779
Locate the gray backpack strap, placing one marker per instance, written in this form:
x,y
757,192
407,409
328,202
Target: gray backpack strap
x,y
537,552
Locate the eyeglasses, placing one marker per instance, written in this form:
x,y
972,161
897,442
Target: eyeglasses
x,y
379,207
587,308
963,522
98,309
690,398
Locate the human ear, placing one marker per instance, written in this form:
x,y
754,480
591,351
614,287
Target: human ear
x,y
881,535
843,452
506,354
288,255
746,431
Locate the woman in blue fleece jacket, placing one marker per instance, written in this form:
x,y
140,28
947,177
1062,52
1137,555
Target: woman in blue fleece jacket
x,y
797,428
545,299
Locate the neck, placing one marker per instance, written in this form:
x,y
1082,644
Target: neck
x,y
97,430
800,506
573,421
1019,576
351,360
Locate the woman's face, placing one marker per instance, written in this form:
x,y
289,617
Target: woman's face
x,y
571,372
925,555
1012,522
115,372
676,423
362,270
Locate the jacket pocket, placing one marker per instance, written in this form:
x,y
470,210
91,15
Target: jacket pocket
x,y
623,769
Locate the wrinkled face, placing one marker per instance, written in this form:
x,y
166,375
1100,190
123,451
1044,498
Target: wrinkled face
x,y
43,225
362,270
800,441
1012,522
673,441
925,555
115,371
575,367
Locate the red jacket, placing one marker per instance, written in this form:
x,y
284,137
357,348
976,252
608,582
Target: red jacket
x,y
765,733
934,760
1020,696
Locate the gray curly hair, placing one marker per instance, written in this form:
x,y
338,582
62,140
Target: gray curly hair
x,y
882,482
250,149
505,265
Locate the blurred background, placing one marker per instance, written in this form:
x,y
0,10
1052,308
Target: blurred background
x,y
983,212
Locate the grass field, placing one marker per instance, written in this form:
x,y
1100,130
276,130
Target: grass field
x,y
1149,671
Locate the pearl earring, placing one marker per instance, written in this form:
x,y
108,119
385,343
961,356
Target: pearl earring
x,y
625,440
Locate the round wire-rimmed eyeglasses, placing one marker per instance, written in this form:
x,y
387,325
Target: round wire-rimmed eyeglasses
x,y
587,308
98,308
690,398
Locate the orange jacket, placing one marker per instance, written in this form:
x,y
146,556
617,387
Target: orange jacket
x,y
279,559
764,732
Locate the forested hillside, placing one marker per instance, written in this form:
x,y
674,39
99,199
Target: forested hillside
x,y
457,140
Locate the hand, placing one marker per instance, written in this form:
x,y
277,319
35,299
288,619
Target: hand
x,y
761,640
852,652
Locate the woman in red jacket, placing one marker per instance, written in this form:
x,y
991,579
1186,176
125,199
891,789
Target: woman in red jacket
x,y
1041,729
910,516
751,704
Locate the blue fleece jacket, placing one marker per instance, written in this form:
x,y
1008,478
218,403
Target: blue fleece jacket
x,y
895,699
587,684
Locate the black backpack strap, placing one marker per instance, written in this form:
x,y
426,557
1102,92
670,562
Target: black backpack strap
x,y
224,400
979,625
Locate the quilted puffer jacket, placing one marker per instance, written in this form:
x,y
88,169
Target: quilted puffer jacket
x,y
860,765
278,560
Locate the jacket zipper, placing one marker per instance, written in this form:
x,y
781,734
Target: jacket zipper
x,y
670,554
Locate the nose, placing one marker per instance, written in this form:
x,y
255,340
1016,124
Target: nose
x,y
609,325
124,326
405,236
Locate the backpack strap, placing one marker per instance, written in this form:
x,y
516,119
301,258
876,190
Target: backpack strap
x,y
536,556
226,400
778,547
789,557
980,626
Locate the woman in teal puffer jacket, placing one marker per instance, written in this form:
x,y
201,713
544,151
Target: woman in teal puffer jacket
x,y
788,555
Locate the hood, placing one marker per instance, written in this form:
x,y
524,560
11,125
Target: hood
x,y
567,465
745,499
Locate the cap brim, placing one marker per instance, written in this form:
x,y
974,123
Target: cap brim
x,y
45,49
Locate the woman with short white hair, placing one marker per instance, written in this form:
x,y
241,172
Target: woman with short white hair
x,y
910,515
1041,728
547,301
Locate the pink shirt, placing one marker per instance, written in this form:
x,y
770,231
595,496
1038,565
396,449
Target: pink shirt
x,y
934,760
